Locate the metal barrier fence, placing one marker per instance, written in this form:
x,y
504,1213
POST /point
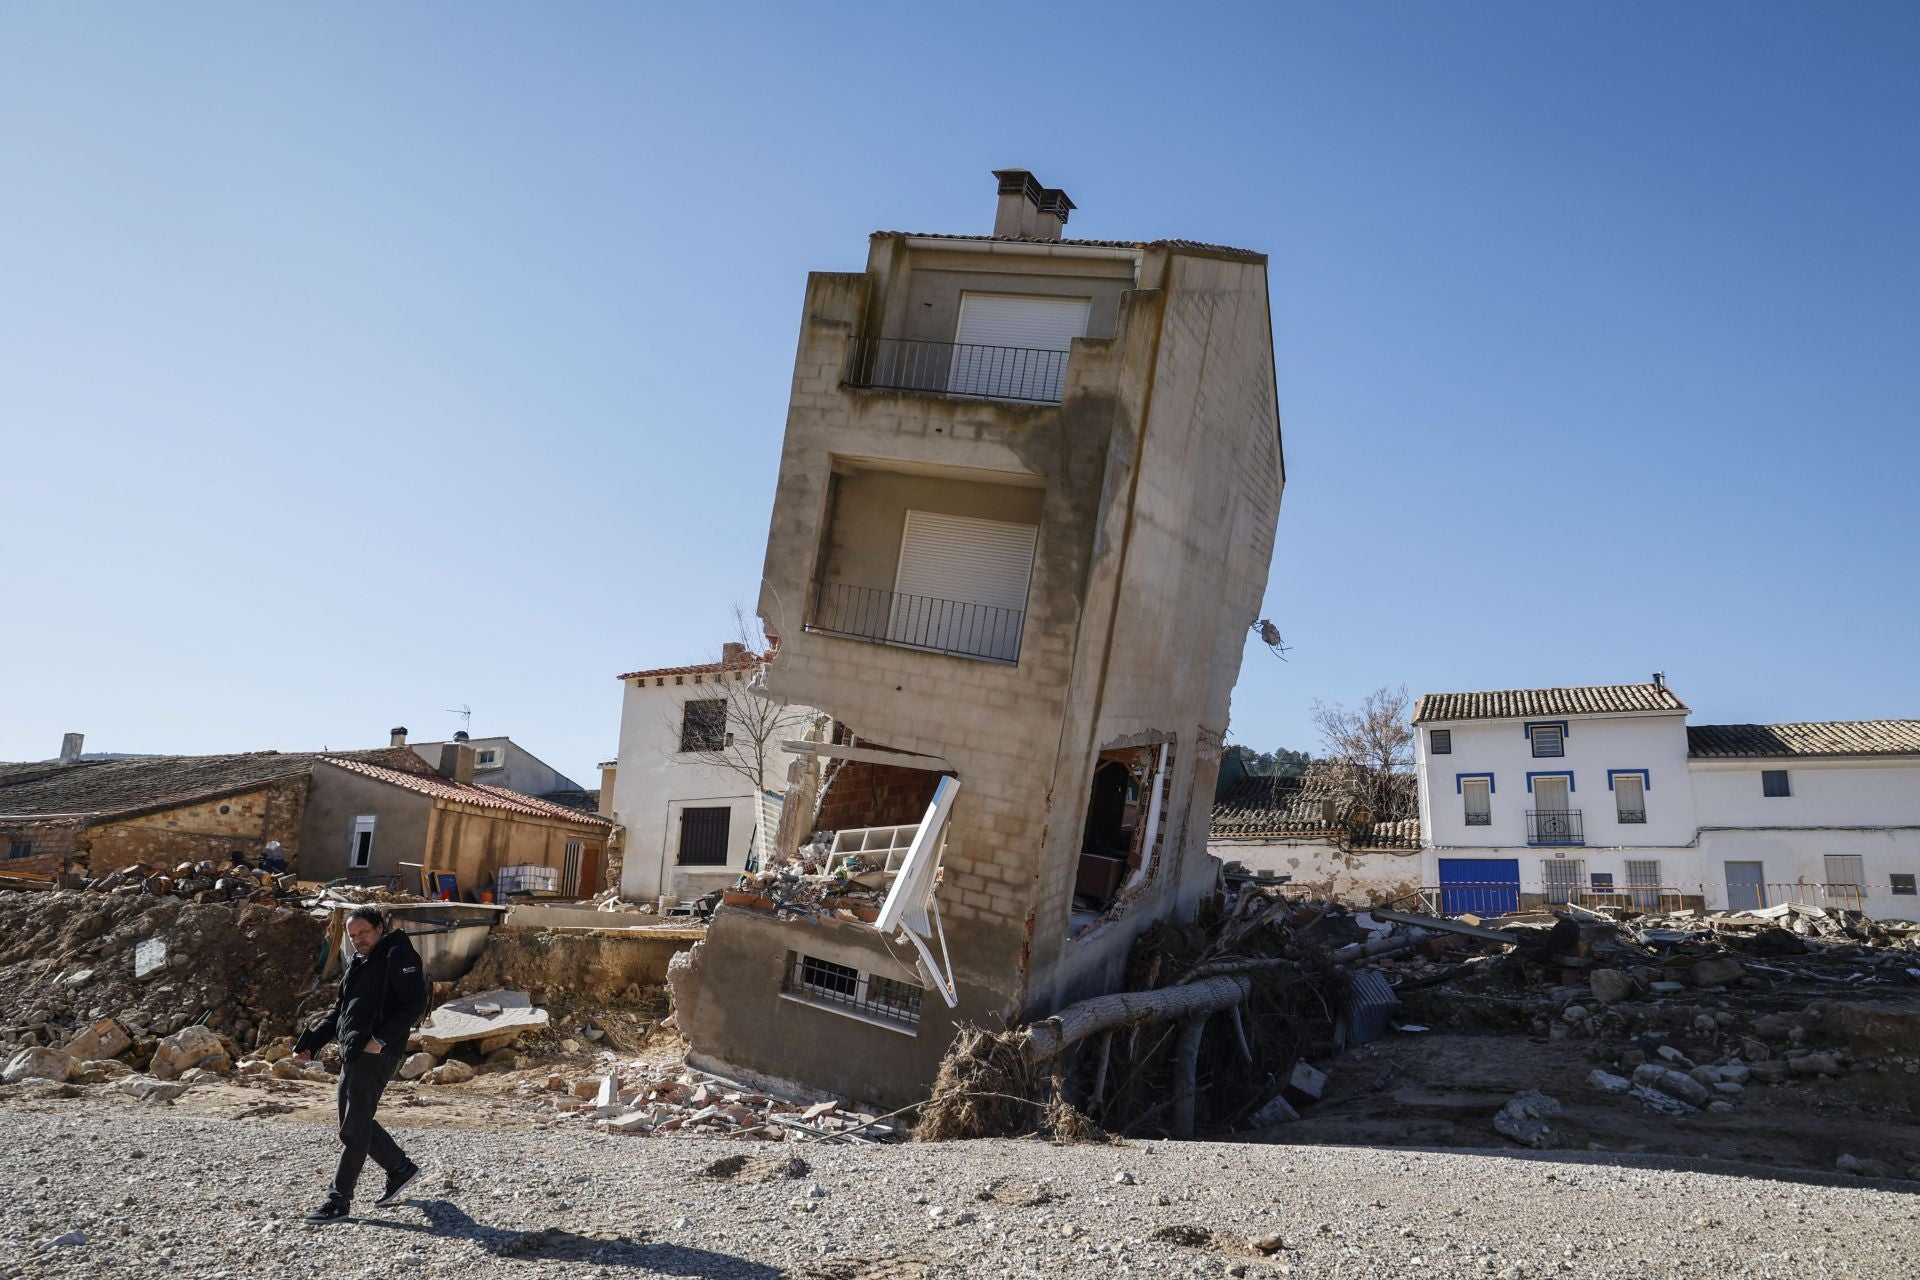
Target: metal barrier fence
x,y
1496,897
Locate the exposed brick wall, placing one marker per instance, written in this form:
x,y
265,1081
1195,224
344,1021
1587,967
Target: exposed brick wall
x,y
875,795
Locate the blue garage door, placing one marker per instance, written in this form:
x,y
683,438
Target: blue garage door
x,y
1484,886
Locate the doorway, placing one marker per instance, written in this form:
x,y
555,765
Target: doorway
x,y
1746,886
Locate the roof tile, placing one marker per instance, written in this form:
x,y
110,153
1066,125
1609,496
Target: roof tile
x,y
474,793
1806,738
1503,704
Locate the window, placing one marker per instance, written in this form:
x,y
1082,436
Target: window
x,y
703,836
1847,869
1563,878
703,725
1630,798
1903,883
1478,793
360,846
1441,742
1773,782
1548,739
1643,878
888,1002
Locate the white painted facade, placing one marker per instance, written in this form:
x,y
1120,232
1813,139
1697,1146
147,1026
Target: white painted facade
x,y
1861,807
1324,870
1700,816
656,783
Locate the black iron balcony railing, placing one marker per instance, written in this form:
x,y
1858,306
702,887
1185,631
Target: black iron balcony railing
x,y
958,369
918,622
1554,826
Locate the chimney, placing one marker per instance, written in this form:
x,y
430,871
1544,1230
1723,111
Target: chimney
x,y
456,762
70,747
608,770
1027,210
731,652
398,736
460,735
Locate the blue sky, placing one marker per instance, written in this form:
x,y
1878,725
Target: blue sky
x,y
359,362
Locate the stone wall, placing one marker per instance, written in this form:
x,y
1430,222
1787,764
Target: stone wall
x,y
217,829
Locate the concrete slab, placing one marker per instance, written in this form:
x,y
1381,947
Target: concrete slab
x,y
485,1016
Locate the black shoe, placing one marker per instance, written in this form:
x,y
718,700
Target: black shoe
x,y
330,1210
397,1182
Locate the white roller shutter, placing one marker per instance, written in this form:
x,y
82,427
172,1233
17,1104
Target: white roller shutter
x,y
1013,347
962,584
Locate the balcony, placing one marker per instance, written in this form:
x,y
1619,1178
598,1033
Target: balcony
x,y
1019,374
918,622
1554,827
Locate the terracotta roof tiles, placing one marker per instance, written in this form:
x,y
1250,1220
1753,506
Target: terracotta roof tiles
x,y
1503,704
474,793
1808,738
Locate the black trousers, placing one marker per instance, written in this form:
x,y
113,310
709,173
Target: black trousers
x,y
361,1083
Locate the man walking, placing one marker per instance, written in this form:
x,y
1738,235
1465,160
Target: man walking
x,y
382,993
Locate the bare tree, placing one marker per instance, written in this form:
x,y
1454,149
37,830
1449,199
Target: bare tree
x,y
727,720
1373,745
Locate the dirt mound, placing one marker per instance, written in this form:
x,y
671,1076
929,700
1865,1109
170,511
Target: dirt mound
x,y
244,969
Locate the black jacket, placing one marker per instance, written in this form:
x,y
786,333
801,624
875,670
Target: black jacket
x,y
382,994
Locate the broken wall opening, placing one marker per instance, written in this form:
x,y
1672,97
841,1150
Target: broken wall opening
x,y
1120,839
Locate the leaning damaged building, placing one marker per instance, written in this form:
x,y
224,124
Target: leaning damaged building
x,y
1025,511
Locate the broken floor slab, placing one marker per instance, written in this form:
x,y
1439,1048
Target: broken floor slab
x,y
487,1016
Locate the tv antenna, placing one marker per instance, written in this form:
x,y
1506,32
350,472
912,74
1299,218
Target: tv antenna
x,y
465,713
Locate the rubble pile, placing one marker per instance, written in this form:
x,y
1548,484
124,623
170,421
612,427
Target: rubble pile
x,y
153,964
653,1100
1691,1010
204,881
801,886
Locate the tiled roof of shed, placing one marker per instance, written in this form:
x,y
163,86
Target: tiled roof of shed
x,y
1808,738
1502,704
1296,808
1262,806
1196,246
97,788
474,793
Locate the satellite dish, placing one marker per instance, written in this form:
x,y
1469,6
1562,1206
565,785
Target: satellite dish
x,y
910,908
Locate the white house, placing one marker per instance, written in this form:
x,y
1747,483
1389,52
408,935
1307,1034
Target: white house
x,y
1605,794
692,824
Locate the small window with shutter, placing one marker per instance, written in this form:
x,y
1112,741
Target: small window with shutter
x,y
1478,794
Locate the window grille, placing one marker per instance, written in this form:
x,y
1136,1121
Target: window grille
x,y
845,989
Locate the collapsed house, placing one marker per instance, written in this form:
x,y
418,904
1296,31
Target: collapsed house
x,y
1024,516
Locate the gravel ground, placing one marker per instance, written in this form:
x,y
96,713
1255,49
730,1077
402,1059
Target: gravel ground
x,y
158,1192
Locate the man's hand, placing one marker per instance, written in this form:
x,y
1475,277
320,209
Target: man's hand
x,y
303,1058
376,1047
